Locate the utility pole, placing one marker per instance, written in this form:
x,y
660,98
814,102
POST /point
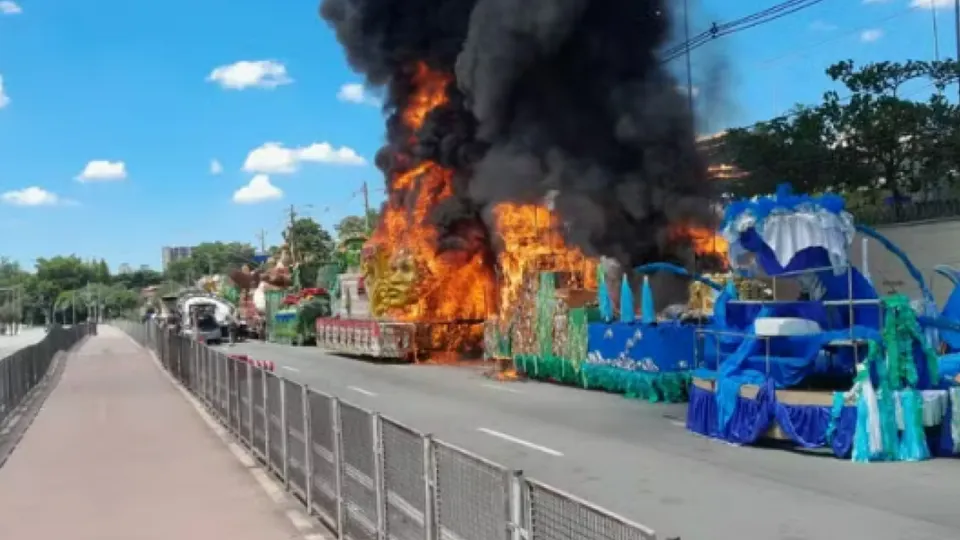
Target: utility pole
x,y
366,203
936,34
686,37
956,25
293,219
262,236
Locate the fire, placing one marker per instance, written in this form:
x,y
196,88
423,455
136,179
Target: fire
x,y
531,242
451,287
707,243
453,290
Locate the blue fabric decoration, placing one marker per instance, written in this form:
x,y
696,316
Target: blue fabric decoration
x,y
808,426
661,348
646,302
670,268
606,305
626,301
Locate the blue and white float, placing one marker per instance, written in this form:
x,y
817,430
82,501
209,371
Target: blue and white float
x,y
829,363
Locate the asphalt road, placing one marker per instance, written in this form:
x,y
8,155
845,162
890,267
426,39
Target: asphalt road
x,y
638,460
27,336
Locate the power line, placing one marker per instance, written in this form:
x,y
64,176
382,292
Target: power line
x,y
716,30
838,36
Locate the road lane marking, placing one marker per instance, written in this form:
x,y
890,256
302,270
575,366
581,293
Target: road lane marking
x,y
678,423
521,442
361,391
500,388
292,369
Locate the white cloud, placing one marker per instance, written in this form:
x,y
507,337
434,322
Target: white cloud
x,y
326,153
103,171
31,196
258,190
683,90
869,36
215,167
822,26
4,98
250,74
930,4
274,158
356,93
9,7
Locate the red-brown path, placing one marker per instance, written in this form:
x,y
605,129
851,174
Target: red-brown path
x,y
117,453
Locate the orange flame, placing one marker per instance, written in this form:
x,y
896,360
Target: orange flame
x,y
452,286
460,286
531,242
706,242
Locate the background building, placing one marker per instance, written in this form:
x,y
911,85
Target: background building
x,y
174,253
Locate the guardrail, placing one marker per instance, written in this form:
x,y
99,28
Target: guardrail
x,y
367,476
21,371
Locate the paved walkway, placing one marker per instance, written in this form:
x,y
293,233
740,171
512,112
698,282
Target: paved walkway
x,y
117,453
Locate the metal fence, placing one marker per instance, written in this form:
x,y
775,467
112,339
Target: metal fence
x,y
22,371
369,477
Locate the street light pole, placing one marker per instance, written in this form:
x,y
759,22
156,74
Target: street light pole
x,y
956,27
686,37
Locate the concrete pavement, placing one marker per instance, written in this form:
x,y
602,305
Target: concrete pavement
x,y
638,460
117,453
27,336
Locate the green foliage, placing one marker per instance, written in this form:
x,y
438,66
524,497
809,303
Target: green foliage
x,y
309,242
356,225
210,258
878,137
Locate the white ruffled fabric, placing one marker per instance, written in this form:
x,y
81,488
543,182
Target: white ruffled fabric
x,y
790,232
935,404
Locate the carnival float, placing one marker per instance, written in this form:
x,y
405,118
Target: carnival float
x,y
826,362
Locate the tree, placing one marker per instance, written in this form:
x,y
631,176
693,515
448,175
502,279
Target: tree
x,y
210,258
799,149
308,241
353,225
138,279
67,273
877,137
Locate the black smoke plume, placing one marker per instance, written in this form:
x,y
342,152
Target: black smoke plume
x,y
547,96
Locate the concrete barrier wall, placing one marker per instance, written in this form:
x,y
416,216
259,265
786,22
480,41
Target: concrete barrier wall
x,y
927,244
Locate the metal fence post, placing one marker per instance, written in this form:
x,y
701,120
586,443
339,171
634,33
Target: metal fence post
x,y
429,489
378,475
338,463
250,369
266,418
285,469
231,371
307,447
515,507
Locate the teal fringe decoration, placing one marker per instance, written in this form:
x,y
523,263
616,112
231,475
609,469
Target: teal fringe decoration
x,y
861,438
888,425
913,443
839,402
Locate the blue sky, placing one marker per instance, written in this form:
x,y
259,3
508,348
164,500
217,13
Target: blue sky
x,y
129,92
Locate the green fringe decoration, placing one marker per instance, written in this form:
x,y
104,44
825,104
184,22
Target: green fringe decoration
x,y
670,387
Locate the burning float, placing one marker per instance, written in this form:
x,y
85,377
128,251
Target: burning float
x,y
528,152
